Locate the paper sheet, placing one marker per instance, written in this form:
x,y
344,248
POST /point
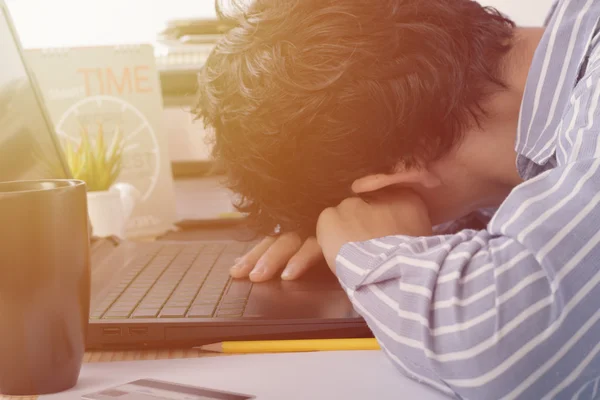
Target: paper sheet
x,y
348,375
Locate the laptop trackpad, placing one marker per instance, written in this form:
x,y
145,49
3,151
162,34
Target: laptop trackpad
x,y
318,294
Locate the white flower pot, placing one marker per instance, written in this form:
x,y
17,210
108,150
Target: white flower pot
x,y
110,210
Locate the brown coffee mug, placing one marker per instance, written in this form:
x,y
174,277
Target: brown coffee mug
x,y
44,285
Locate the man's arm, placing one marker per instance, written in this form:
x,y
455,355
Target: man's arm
x,y
511,311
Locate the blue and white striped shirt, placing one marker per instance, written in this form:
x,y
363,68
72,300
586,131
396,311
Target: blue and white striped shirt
x,y
512,311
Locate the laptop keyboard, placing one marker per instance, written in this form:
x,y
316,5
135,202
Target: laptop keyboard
x,y
179,281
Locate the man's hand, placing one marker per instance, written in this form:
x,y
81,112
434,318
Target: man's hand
x,y
355,220
273,254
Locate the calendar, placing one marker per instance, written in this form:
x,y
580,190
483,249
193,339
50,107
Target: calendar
x,y
115,89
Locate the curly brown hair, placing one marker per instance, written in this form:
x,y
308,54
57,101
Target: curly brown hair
x,y
305,96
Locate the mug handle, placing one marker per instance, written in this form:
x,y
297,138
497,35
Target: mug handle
x,y
130,196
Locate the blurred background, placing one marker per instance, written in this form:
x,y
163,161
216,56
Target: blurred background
x,y
96,22
182,31
87,22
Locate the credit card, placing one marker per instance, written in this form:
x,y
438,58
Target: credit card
x,y
151,389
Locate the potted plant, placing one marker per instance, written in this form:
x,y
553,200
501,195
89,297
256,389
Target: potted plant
x,y
95,163
98,164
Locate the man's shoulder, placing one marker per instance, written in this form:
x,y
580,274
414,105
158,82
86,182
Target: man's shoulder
x,y
561,71
589,72
551,12
560,8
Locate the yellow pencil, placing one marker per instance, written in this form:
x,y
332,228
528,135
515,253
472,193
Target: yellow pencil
x,y
292,346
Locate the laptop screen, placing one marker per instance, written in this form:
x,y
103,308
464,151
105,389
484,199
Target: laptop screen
x,y
27,146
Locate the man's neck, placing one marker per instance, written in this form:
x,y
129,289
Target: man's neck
x,y
487,153
508,105
518,60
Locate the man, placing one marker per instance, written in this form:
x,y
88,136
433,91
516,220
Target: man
x,y
397,116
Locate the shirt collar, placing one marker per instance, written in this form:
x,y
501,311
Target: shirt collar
x,y
553,74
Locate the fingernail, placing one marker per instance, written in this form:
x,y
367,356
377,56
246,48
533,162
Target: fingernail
x,y
288,273
258,270
238,266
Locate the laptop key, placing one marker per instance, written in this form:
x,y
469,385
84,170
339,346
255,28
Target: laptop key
x,y
152,302
238,289
145,313
229,313
117,314
180,300
128,307
238,306
201,311
206,302
233,301
107,302
175,303
205,298
173,312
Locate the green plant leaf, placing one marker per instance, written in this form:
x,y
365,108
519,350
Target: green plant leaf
x,y
92,161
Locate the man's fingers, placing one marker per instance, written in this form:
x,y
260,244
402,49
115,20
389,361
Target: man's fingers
x,y
246,263
276,257
274,253
308,255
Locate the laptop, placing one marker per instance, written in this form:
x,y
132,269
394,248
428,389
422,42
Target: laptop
x,y
165,293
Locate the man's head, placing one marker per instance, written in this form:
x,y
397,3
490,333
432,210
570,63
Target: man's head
x,y
308,97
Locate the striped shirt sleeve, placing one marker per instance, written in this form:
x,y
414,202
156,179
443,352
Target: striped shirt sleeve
x,y
511,311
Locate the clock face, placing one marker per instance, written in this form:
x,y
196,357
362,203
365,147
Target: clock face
x,y
141,156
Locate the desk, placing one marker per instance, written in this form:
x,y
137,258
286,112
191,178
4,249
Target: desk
x,y
132,355
187,198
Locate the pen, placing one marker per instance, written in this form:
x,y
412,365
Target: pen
x,y
292,346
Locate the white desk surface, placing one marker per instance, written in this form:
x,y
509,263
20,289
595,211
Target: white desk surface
x,y
348,375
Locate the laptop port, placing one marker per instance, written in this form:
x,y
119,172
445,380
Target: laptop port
x,y
111,331
138,331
